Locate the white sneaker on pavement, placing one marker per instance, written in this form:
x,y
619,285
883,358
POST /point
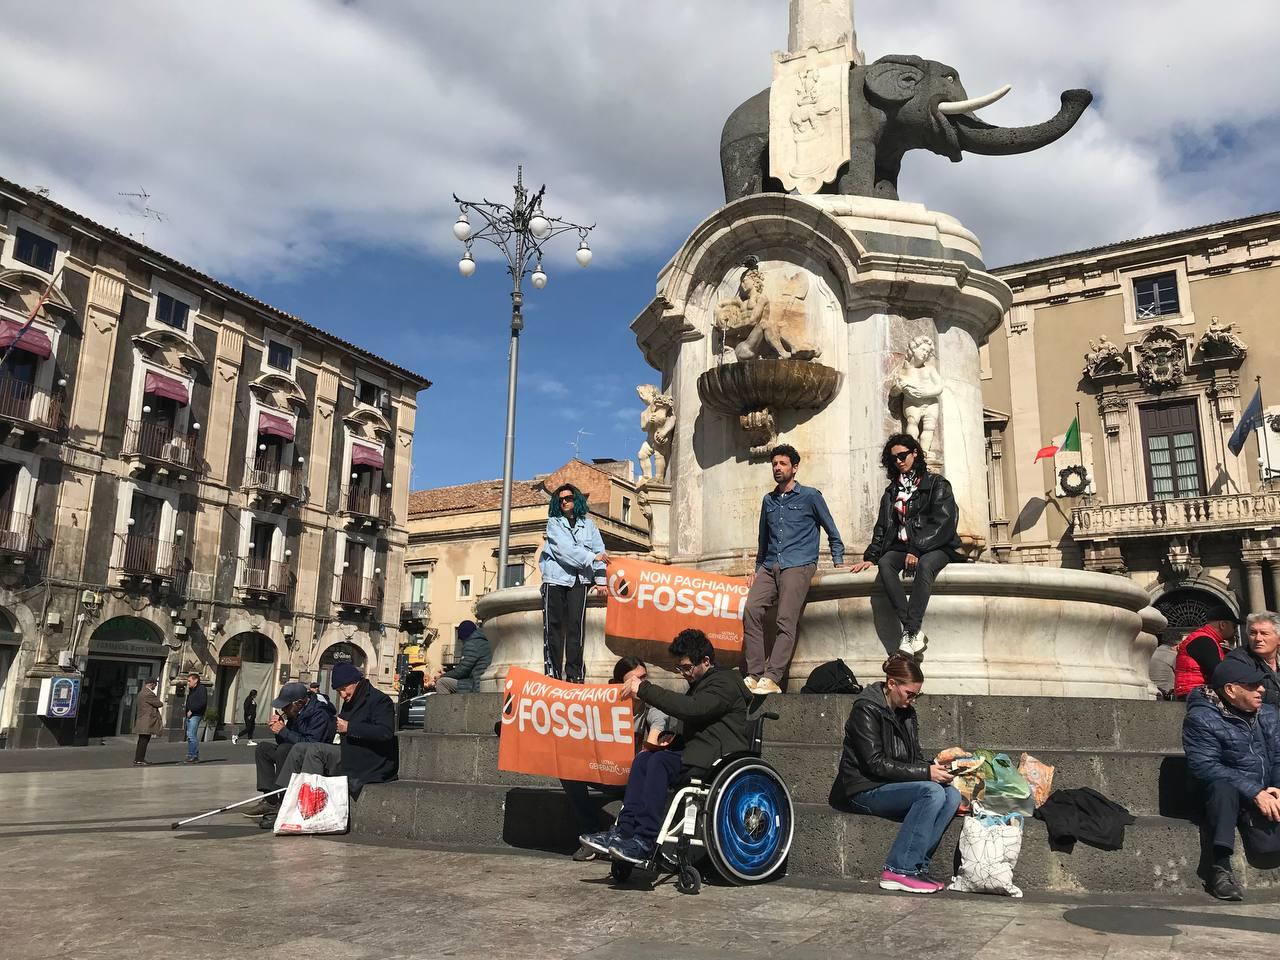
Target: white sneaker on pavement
x,y
252,743
234,738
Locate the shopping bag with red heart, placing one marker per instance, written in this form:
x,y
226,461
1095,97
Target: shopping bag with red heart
x,y
313,804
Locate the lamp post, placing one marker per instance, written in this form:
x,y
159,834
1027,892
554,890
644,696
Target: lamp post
x,y
520,231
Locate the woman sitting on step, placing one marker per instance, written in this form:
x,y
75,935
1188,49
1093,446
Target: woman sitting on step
x,y
916,531
885,773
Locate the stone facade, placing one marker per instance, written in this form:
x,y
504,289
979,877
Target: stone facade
x,y
190,479
452,557
1159,341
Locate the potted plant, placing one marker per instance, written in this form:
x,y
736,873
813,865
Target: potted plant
x,y
211,721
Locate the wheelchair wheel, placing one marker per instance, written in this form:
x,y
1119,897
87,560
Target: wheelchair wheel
x,y
688,880
749,821
620,872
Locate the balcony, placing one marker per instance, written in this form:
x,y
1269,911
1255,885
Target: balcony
x,y
354,592
365,506
1238,511
23,405
262,579
276,484
138,556
414,615
159,445
18,539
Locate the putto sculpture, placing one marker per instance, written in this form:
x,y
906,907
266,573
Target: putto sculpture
x,y
754,327
919,384
658,421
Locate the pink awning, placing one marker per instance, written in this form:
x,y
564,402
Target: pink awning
x,y
31,340
158,385
366,456
275,426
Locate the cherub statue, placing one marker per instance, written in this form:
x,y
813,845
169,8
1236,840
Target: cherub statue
x,y
746,322
919,383
658,421
1221,338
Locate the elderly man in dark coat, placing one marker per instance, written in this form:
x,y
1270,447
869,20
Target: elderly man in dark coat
x,y
148,722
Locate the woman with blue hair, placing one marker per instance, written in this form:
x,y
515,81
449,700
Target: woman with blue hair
x,y
573,559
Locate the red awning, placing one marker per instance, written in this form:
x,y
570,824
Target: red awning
x,y
158,385
365,456
274,425
32,340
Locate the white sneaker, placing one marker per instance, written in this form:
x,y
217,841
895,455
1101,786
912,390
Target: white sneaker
x,y
907,644
252,743
234,738
750,683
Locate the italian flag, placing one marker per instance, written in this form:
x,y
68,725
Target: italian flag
x,y
1071,441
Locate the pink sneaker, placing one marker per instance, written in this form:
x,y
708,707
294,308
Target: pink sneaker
x,y
908,884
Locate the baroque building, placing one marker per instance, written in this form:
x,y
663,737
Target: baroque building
x,y
1159,340
190,479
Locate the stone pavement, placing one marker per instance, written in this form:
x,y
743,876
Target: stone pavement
x,y
92,870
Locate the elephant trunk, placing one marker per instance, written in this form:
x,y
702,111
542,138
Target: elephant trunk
x,y
978,137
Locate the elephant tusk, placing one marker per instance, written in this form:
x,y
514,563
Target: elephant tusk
x,y
977,103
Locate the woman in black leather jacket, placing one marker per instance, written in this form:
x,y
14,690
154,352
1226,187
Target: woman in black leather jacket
x,y
915,531
884,772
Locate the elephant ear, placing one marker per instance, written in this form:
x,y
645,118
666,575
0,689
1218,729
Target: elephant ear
x,y
895,79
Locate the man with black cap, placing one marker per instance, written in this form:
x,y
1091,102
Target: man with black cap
x,y
473,659
296,718
1232,742
1202,650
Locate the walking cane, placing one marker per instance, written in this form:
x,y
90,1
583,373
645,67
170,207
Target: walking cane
x,y
213,813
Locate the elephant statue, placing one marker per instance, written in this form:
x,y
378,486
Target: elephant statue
x,y
896,104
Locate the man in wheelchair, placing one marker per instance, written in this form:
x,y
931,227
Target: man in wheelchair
x,y
713,720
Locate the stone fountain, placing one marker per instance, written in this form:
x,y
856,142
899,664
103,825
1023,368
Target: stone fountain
x,y
818,309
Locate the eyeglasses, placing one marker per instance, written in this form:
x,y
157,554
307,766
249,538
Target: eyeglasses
x,y
567,499
901,457
686,668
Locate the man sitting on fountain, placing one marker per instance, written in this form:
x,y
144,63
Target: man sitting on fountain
x,y
1232,742
916,531
713,721
1202,650
791,517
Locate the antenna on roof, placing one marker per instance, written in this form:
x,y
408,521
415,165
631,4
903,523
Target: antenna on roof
x,y
576,443
42,192
140,207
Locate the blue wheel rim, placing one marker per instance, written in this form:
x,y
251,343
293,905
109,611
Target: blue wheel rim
x,y
752,822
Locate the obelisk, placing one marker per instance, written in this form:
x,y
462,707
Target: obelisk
x,y
822,24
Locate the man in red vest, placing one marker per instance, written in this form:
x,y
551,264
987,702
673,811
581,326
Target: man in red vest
x,y
1201,651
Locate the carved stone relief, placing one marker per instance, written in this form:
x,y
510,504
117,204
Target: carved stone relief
x,y
658,421
919,385
755,325
1221,342
1104,358
809,116
1162,360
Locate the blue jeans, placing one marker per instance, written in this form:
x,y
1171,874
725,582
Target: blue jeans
x,y
192,727
924,807
645,802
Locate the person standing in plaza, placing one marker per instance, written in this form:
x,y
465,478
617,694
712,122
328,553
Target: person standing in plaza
x,y
916,531
791,518
197,703
573,559
1202,650
1262,650
148,722
249,711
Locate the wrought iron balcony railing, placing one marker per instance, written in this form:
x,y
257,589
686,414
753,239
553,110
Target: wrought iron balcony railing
x,y
353,590
136,555
21,402
159,443
362,502
262,576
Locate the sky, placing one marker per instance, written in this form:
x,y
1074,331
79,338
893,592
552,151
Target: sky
x,y
306,151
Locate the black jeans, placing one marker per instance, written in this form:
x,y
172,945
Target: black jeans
x,y
910,612
140,753
249,727
1222,803
564,611
270,759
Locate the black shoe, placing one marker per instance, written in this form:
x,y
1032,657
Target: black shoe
x,y
1222,884
193,759
258,810
584,854
142,763
268,821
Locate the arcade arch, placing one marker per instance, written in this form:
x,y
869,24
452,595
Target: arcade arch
x,y
123,652
247,661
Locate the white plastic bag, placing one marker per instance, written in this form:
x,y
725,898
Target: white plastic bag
x,y
313,804
989,848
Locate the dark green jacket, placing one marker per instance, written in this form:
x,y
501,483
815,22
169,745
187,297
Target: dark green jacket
x,y
713,715
474,658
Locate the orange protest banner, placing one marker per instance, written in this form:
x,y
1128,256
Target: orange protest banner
x,y
653,601
567,730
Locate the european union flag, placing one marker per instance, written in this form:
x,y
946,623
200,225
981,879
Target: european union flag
x,y
1250,421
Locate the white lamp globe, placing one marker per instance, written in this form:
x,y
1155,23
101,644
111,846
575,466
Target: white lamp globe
x,y
466,266
584,254
462,227
539,278
539,225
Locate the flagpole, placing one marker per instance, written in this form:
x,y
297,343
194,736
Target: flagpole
x,y
1262,425
31,318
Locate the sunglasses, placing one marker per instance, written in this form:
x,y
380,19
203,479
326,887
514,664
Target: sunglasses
x,y
901,457
567,499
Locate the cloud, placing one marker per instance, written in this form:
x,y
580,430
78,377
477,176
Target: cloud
x,y
269,155
545,385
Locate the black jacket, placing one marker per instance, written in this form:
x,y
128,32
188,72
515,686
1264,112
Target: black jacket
x,y
370,753
474,657
1270,678
197,700
713,715
881,745
1083,814
314,723
250,710
932,520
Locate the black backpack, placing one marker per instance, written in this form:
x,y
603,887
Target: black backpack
x,y
832,677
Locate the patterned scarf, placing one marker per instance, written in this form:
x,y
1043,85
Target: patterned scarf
x,y
906,488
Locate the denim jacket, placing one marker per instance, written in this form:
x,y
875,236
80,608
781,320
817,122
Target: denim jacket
x,y
789,526
569,555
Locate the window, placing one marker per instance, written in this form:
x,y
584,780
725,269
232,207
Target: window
x,y
464,588
626,509
1156,296
34,250
279,356
171,311
367,392
1171,436
515,575
418,584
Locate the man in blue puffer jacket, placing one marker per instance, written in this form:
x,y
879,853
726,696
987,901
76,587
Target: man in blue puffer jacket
x,y
1232,742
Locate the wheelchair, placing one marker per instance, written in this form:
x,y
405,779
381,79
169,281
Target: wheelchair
x,y
740,817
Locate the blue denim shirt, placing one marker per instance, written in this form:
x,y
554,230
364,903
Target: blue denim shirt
x,y
569,555
789,525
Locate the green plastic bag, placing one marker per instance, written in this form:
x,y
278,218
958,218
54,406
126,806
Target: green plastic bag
x,y
1005,790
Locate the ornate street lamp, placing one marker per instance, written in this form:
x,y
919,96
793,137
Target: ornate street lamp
x,y
520,231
